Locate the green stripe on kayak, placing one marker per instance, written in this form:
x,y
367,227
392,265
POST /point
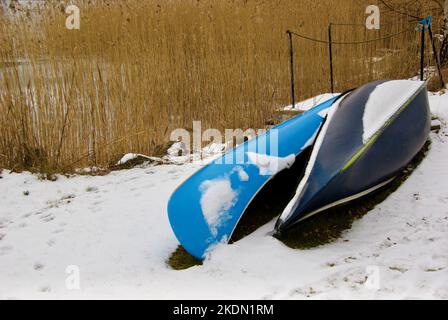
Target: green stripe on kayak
x,y
375,137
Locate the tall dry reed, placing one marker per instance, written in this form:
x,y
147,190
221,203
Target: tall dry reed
x,y
138,69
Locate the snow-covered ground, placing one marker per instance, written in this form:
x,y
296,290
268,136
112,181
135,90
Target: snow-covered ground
x,y
113,231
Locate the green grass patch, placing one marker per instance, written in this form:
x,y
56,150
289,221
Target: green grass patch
x,y
181,260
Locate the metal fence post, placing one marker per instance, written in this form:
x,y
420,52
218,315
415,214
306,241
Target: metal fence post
x,y
422,56
330,47
291,60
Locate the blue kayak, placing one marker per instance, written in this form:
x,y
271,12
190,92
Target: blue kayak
x,y
205,210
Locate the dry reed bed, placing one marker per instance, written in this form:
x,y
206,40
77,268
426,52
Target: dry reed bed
x,y
138,69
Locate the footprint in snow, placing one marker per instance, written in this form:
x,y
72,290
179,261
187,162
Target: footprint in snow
x,y
331,264
402,269
4,222
91,189
441,293
45,289
48,217
5,250
443,199
350,259
51,242
94,209
38,266
307,292
2,236
405,240
432,239
68,198
434,268
387,244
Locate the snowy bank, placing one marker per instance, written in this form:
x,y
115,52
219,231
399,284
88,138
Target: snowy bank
x,y
114,231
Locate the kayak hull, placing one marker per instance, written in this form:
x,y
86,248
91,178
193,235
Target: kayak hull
x,y
346,167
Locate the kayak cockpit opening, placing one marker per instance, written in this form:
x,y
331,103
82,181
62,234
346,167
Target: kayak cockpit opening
x,y
272,199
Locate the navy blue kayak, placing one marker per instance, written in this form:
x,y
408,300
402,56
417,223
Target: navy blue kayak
x,y
368,137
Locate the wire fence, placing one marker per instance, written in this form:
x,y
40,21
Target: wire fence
x,y
410,27
349,42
